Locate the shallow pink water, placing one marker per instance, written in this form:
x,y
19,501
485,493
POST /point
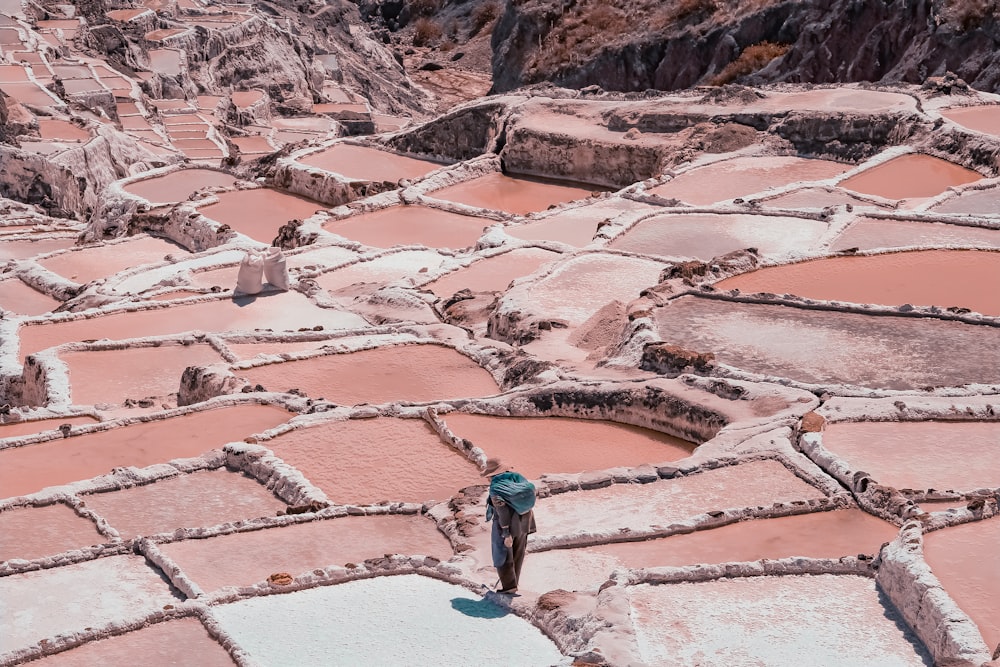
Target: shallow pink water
x,y
368,164
985,118
14,429
159,35
100,261
492,274
557,444
817,197
411,225
54,128
871,233
966,560
971,202
29,93
13,74
259,213
124,14
34,532
932,277
251,350
81,86
243,559
165,61
207,498
32,467
515,195
23,249
575,226
179,642
403,373
19,298
142,371
921,455
907,176
253,144
247,98
366,461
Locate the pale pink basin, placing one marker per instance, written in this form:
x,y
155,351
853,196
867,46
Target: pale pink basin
x,y
557,444
985,118
29,93
251,350
247,98
165,61
178,642
931,277
15,429
400,373
515,195
492,274
206,498
100,261
575,226
966,560
921,455
34,532
817,198
870,233
54,128
259,213
124,14
411,225
252,145
365,461
243,559
23,249
159,35
32,467
368,164
19,298
971,202
910,176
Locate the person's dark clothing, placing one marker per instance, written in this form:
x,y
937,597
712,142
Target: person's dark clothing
x,y
506,521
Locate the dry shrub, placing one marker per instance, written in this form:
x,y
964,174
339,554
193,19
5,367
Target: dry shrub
x,y
686,9
753,58
484,15
580,34
424,7
425,31
969,14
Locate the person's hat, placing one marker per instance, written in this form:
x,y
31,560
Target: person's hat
x,y
494,467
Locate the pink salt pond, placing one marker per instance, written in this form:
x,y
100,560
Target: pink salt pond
x,y
35,532
54,128
176,642
910,176
873,233
931,277
368,461
24,248
21,299
536,445
259,213
962,456
983,202
368,164
966,560
411,225
199,499
740,177
99,261
165,61
30,468
247,98
165,33
493,274
985,118
247,558
519,195
31,427
575,226
399,373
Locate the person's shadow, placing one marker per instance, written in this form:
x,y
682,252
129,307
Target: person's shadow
x,y
481,608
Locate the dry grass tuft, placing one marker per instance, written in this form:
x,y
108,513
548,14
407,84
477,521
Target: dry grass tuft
x,y
969,14
484,15
424,7
425,32
753,58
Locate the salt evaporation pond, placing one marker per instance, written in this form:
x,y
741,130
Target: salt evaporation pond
x,y
406,620
493,274
247,558
962,456
258,213
519,195
367,461
30,468
983,118
783,621
411,225
914,175
31,427
206,498
368,164
251,350
966,560
44,603
21,299
399,373
178,185
100,261
705,236
55,128
816,198
576,226
931,277
183,641
971,202
744,176
825,347
385,269
815,535
640,506
35,532
872,233
23,248
536,445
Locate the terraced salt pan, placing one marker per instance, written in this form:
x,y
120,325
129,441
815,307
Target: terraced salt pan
x,y
55,128
14,429
641,506
407,619
206,498
500,192
493,274
910,176
287,311
971,202
25,248
35,605
963,456
783,621
930,277
411,225
30,468
17,297
260,212
840,98
984,118
165,61
575,226
140,371
825,347
871,233
368,164
251,350
710,235
178,185
966,560
100,261
30,93
536,445
244,559
817,198
35,532
744,176
177,642
366,461
816,535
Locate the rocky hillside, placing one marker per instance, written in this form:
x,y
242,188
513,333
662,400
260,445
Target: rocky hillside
x,y
632,46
